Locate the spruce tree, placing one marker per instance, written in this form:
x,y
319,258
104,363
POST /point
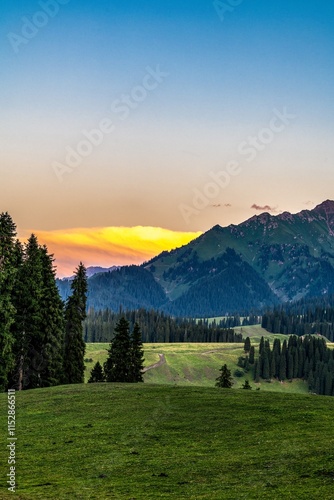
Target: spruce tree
x,y
265,365
257,369
225,379
7,310
75,313
53,324
247,345
117,368
246,385
252,355
28,326
137,355
97,374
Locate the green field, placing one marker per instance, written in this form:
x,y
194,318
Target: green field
x,y
193,364
145,442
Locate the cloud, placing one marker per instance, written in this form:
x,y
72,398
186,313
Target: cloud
x,y
107,246
264,207
308,202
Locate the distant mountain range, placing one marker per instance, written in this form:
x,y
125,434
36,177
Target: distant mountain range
x,y
263,261
92,270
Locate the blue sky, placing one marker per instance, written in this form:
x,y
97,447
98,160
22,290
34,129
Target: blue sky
x,y
224,80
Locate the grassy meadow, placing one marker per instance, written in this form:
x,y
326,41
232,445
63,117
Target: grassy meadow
x,y
198,364
174,437
147,441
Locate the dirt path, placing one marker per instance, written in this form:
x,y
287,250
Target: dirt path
x,y
161,361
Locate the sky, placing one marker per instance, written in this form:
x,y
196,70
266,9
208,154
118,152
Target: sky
x,y
128,128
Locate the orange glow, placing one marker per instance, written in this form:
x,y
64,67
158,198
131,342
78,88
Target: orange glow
x,y
107,246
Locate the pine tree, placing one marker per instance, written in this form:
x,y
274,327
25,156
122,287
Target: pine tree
x,y
265,365
7,310
247,345
75,313
137,355
28,326
290,367
225,379
252,355
246,385
118,365
257,369
97,374
53,325
282,367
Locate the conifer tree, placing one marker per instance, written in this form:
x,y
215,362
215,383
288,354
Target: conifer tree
x,y
53,325
7,310
265,365
246,385
117,368
282,367
257,369
97,374
225,379
247,345
28,326
137,355
75,313
252,355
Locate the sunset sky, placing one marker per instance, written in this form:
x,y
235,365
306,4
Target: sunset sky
x,y
129,127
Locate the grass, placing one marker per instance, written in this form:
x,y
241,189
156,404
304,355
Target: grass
x,y
198,364
148,442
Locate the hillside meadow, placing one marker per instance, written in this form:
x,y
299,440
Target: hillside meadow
x,y
147,441
198,364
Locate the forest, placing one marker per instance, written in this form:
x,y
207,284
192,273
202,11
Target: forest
x,y
307,316
41,342
156,326
306,358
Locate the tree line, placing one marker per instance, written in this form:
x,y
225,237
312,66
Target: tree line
x,y
313,320
41,341
156,326
306,358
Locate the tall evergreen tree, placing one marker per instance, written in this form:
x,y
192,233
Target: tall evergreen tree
x,y
118,365
225,379
28,326
252,355
137,355
257,369
75,313
53,325
247,345
7,310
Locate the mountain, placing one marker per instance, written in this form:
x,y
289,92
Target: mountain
x,y
94,270
263,261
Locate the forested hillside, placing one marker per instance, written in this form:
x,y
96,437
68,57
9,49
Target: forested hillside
x,y
302,318
158,327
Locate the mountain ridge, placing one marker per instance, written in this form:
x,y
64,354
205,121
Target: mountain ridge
x,y
263,261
